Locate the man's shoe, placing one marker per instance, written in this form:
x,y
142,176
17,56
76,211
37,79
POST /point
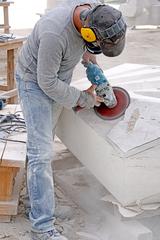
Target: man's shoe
x,y
50,235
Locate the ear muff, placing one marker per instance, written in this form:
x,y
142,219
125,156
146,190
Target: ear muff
x,y
88,34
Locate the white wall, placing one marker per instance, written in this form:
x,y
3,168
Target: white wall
x,y
22,14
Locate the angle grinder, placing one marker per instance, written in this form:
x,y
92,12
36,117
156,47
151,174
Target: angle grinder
x,y
116,99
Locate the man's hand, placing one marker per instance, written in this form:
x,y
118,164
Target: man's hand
x,y
88,99
91,91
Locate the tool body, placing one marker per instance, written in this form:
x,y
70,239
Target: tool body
x,y
116,99
103,88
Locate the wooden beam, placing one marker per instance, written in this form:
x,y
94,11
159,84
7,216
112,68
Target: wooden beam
x,y
9,208
8,94
5,219
7,177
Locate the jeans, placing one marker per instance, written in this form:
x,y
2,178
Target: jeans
x,y
41,115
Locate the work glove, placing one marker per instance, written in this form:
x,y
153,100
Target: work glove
x,y
95,74
87,100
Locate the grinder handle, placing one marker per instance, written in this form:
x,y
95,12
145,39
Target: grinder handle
x,y
95,74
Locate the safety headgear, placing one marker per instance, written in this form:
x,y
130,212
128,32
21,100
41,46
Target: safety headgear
x,y
105,24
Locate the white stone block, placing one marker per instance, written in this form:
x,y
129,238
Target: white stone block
x,y
123,154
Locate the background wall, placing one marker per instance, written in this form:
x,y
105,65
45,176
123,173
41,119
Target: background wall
x,y
23,14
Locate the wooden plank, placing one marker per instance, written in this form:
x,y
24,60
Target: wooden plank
x,y
5,3
7,178
4,27
10,72
5,6
8,208
11,46
4,87
10,69
14,155
12,43
5,219
8,94
6,19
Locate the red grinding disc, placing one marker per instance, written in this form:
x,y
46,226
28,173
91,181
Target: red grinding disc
x,y
123,101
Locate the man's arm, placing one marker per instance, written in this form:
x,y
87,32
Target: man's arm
x,y
50,55
88,57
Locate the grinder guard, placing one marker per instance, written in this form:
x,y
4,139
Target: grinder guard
x,y
116,99
106,91
123,101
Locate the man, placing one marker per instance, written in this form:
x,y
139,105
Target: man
x,y
44,71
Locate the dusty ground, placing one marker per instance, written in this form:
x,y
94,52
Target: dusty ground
x,y
142,47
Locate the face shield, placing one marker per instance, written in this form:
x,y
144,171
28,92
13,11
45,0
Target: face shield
x,y
109,28
112,40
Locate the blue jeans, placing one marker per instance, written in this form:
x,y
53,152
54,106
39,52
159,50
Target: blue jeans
x,y
41,115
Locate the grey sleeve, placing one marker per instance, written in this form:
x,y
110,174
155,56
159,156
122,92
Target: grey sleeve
x,y
50,54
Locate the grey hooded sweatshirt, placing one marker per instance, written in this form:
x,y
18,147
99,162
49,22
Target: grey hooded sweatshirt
x,y
51,53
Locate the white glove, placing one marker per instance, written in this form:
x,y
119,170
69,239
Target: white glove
x,y
87,100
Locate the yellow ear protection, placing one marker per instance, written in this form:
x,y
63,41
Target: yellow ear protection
x,y
87,33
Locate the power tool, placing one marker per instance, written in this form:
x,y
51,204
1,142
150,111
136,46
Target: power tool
x,y
116,99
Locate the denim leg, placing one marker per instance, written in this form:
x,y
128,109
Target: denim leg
x,y
41,114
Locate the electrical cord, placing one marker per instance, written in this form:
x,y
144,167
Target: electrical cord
x,y
10,124
6,37
12,140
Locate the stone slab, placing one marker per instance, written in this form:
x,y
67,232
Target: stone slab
x,y
123,154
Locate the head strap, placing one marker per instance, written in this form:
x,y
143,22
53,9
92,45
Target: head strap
x,y
85,13
114,30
